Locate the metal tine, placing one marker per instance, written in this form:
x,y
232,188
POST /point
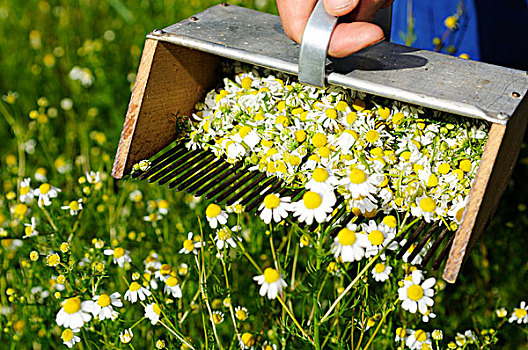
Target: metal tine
x,y
434,247
160,158
243,189
189,172
343,223
410,241
260,190
235,176
258,199
184,167
208,176
174,161
440,258
338,215
339,201
154,168
423,241
199,174
216,178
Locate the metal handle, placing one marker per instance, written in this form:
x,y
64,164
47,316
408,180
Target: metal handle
x,y
315,40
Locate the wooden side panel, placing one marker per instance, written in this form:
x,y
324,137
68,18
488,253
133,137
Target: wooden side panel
x,y
170,80
493,175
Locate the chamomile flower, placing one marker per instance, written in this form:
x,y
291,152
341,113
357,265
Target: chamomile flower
x,y
120,255
241,313
215,215
415,294
314,205
274,207
93,177
126,336
271,283
30,229
45,193
520,314
102,306
426,208
190,245
417,339
247,341
69,338
350,245
172,287
26,194
163,272
153,313
359,183
322,180
217,317
224,238
74,313
136,291
74,207
381,272
378,239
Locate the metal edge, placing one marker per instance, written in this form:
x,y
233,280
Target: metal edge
x,y
337,79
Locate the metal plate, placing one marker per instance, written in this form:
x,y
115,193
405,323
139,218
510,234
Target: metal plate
x,y
434,80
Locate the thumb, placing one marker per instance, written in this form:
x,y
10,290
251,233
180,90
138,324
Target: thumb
x,y
340,7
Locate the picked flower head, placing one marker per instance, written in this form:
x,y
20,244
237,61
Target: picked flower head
x,y
215,215
74,313
119,254
415,294
271,283
274,207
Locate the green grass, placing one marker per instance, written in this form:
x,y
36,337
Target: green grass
x,y
107,37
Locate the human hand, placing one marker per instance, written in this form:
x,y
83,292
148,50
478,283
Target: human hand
x,y
349,36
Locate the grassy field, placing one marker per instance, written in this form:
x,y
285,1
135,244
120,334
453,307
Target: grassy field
x,y
67,68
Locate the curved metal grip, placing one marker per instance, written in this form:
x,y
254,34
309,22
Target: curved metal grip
x,y
316,37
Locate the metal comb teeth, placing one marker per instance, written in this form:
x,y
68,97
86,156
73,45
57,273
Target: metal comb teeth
x,y
201,173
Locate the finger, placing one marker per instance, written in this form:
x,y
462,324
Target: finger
x,y
366,10
348,38
294,14
340,7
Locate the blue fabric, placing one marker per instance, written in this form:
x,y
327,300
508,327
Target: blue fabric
x,y
494,31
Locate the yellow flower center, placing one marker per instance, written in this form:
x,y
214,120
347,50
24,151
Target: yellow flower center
x,y
384,112
351,117
156,309
72,305
444,168
427,204
465,165
357,176
171,281
281,119
28,230
271,201
324,151
134,286
119,252
390,221
213,210
104,300
372,136
281,105
415,292
244,131
163,204
217,318
376,237
21,209
459,214
319,140
74,205
520,313
248,339
165,269
44,188
346,236
331,113
224,234
379,268
300,136
188,245
320,175
24,190
401,332
271,275
241,314
420,335
312,200
341,106
67,335
432,181
53,260
246,82
305,239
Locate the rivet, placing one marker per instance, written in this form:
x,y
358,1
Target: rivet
x,y
516,94
224,4
503,116
193,19
159,31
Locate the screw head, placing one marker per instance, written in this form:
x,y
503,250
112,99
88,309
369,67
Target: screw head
x,y
515,94
193,19
159,31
